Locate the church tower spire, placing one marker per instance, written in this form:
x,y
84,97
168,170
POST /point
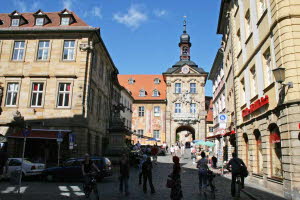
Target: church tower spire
x,y
184,44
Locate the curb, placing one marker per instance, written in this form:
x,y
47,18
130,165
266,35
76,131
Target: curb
x,y
249,194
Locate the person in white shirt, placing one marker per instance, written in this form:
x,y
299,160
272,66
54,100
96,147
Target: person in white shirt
x,y
172,150
182,149
176,150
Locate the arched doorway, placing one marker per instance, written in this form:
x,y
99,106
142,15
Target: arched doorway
x,y
276,154
185,135
259,155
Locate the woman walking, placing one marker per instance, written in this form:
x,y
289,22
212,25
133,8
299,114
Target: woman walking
x,y
176,192
203,168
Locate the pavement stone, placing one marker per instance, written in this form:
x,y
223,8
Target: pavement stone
x,y
108,188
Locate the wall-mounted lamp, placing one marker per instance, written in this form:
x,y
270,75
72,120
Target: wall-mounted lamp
x,y
279,74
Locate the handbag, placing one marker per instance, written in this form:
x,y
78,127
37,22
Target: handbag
x,y
170,183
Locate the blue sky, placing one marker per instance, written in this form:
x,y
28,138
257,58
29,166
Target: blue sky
x,y
142,35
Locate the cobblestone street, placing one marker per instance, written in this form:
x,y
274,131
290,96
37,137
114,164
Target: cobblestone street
x,y
108,188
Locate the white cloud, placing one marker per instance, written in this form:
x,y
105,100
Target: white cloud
x,y
133,18
159,12
68,4
97,12
22,6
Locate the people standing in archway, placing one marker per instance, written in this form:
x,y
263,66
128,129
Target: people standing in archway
x,y
182,149
176,150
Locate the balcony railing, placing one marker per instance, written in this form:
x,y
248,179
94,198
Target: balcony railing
x,y
186,117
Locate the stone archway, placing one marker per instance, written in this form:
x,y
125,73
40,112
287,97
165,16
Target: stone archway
x,y
185,134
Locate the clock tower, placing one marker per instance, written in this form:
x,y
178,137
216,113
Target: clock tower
x,y
185,112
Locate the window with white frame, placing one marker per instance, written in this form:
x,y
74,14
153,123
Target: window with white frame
x,y
142,93
15,22
155,93
156,81
37,94
12,94
131,81
192,108
156,111
140,132
268,68
39,21
193,88
177,107
177,88
43,51
261,7
65,20
141,111
211,129
253,82
156,134
69,50
247,24
19,50
64,93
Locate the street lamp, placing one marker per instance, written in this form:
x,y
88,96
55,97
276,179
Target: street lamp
x,y
279,74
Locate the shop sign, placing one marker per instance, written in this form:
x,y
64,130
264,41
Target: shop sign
x,y
256,105
274,138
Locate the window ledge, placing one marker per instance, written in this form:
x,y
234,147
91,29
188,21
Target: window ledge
x,y
253,98
243,106
18,61
48,60
68,60
64,108
262,17
239,53
269,87
249,37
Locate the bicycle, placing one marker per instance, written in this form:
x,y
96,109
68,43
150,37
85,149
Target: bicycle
x,y
91,185
239,184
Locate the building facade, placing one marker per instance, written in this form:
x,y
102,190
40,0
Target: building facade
x,y
261,40
57,74
148,108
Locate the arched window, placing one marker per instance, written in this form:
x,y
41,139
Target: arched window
x,y
131,81
246,140
259,154
275,148
155,93
142,93
156,81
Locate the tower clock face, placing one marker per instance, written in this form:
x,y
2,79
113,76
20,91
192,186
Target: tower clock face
x,y
185,69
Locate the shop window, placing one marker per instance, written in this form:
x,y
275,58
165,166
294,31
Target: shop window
x,y
259,155
275,151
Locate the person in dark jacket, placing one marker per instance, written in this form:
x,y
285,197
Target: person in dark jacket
x,y
214,160
176,192
124,174
147,175
236,165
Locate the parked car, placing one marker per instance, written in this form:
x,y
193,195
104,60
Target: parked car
x,y
71,169
29,168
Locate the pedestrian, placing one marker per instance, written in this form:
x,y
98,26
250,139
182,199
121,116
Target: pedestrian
x,y
176,192
172,150
203,168
147,175
193,154
237,166
142,160
214,160
176,150
182,149
167,148
148,150
3,163
124,174
154,152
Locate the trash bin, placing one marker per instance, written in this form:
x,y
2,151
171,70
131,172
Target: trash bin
x,y
15,177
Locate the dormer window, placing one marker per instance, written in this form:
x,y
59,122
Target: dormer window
x,y
156,81
142,93
39,21
65,20
131,81
15,22
155,93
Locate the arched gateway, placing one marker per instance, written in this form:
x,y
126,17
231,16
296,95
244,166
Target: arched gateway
x,y
185,81
185,135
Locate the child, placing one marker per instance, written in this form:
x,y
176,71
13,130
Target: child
x,y
210,178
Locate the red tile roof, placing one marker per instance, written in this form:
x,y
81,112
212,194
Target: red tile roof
x,y
144,82
53,16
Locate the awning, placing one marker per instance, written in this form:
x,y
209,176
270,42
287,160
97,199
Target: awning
x,y
229,133
274,138
40,134
214,136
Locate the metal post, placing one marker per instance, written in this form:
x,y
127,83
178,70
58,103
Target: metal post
x,y
58,154
20,177
222,155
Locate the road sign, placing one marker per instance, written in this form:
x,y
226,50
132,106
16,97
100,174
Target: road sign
x,y
59,137
71,138
26,132
222,118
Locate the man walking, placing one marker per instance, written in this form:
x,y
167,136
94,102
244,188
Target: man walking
x,y
236,169
214,160
124,174
147,175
